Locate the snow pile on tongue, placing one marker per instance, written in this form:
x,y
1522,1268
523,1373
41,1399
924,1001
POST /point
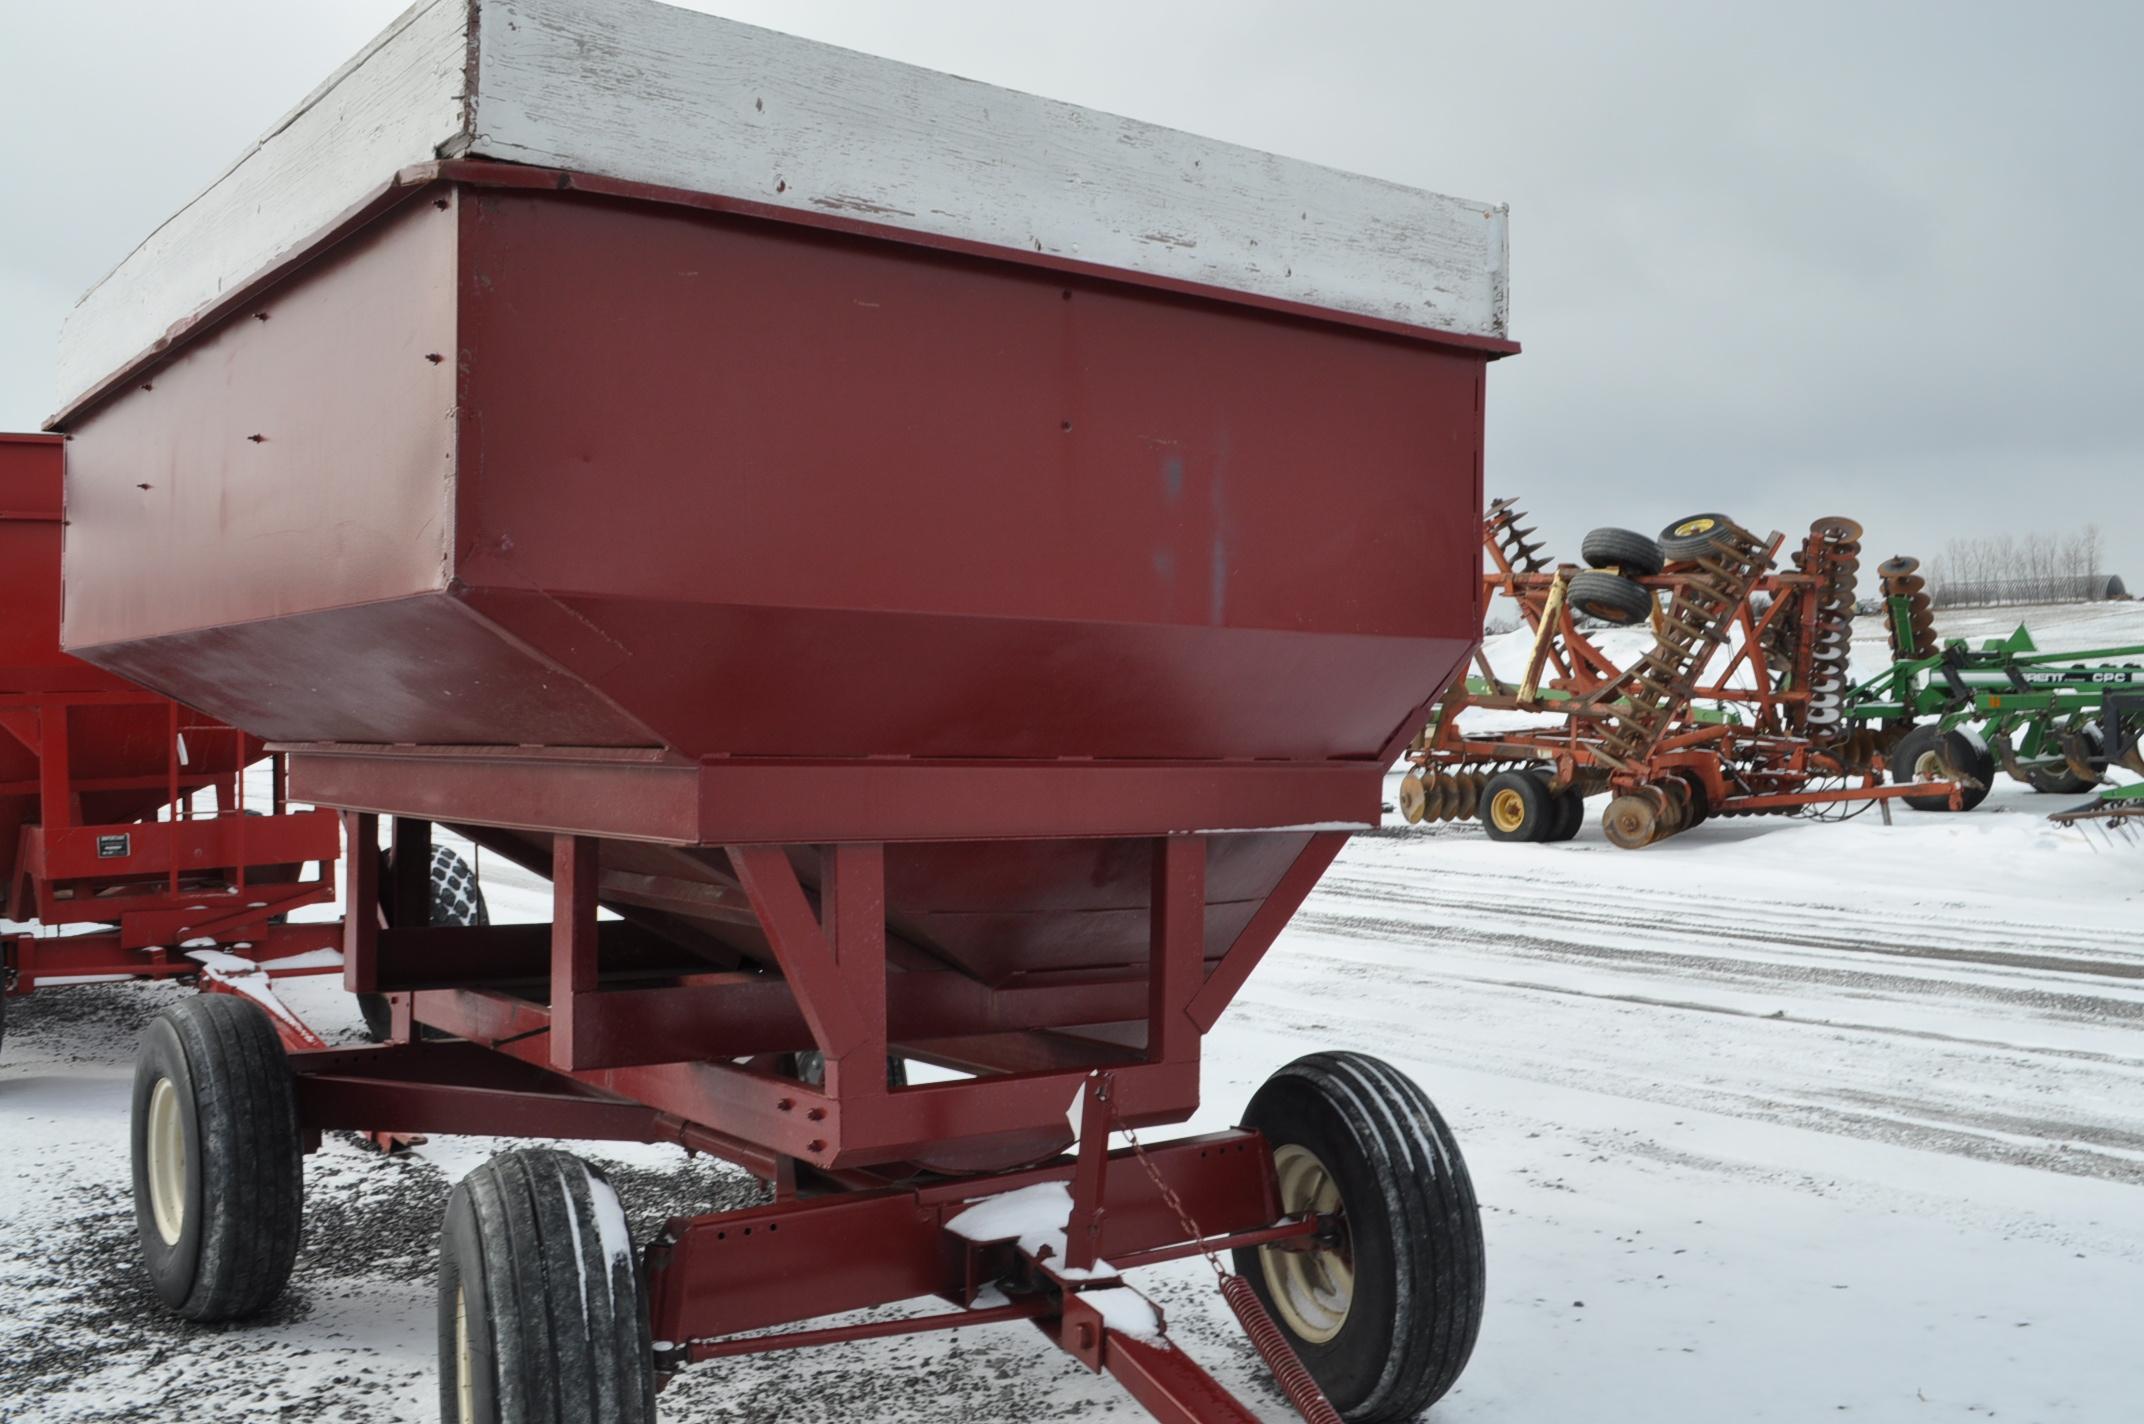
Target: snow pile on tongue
x,y
1033,1216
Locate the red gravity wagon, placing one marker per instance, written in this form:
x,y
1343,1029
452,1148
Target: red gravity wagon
x,y
126,838
947,569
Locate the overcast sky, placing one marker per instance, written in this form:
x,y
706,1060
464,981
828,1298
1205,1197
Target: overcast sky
x,y
1783,260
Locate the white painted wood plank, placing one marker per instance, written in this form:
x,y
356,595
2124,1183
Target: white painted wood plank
x,y
397,102
647,92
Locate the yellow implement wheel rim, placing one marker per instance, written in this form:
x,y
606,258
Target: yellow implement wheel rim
x,y
1312,1289
464,1386
1507,810
166,1142
1691,527
1928,766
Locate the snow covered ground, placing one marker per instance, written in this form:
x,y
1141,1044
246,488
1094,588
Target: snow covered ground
x,y
1776,1120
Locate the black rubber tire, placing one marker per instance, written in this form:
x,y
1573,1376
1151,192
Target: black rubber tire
x,y
1411,1221
1693,536
1538,807
1700,802
2059,780
556,1313
1625,550
457,899
1570,817
1929,741
1610,598
243,1196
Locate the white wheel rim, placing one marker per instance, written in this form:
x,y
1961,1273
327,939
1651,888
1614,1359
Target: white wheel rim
x,y
464,1387
1311,1288
167,1161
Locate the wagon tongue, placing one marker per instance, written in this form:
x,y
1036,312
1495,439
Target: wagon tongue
x,y
1106,1324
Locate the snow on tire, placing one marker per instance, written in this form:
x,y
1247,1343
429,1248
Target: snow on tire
x,y
1386,1314
218,1188
542,1313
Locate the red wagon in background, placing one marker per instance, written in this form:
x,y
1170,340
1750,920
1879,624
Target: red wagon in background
x,y
949,619
103,840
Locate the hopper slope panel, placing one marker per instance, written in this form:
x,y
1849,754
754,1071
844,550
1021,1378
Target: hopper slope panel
x,y
997,911
780,491
754,681
420,669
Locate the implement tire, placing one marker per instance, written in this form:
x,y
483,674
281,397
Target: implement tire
x,y
1610,598
1629,553
1694,537
1920,756
1516,806
1570,817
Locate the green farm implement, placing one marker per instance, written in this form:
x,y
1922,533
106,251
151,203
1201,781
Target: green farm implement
x,y
2120,806
2053,720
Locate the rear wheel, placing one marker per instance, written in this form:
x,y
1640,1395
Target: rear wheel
x,y
2060,778
1517,806
1570,816
542,1310
1384,1305
218,1192
457,899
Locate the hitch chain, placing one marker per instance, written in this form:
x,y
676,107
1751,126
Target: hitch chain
x,y
1281,1359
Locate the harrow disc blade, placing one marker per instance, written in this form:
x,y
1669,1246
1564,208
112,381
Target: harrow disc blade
x,y
1469,784
1631,822
1412,800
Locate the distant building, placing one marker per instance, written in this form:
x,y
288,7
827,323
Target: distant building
x,y
2085,588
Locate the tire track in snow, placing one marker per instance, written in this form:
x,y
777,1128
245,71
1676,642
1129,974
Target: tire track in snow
x,y
1567,909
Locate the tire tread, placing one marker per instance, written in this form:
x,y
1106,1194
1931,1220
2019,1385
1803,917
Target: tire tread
x,y
565,1353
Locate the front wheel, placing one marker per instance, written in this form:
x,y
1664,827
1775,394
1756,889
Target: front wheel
x,y
1383,1307
218,1188
541,1308
1518,806
1931,754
